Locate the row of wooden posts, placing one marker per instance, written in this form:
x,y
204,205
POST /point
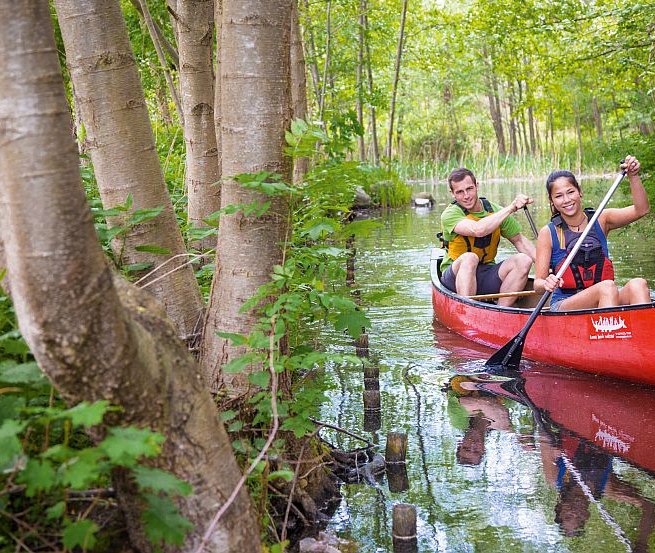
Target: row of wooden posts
x,y
404,515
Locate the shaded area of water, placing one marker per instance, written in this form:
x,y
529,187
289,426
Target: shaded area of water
x,y
484,473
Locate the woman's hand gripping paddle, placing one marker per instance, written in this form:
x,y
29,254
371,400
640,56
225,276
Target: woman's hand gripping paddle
x,y
508,358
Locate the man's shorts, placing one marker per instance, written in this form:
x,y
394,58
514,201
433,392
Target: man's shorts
x,y
487,278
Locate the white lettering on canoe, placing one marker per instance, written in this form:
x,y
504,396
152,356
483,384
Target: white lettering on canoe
x,y
608,324
611,438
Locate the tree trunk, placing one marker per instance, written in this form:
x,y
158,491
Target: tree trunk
x,y
359,81
578,134
96,336
298,88
374,132
396,78
311,51
598,120
195,35
256,112
326,64
494,101
513,144
108,92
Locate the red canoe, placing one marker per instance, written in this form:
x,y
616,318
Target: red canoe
x,y
616,342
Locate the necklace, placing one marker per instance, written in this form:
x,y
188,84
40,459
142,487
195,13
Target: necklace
x,y
576,228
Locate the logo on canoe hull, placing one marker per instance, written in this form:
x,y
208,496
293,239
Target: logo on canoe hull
x,y
608,324
602,327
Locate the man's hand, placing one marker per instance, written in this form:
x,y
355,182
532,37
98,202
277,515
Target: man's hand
x,y
521,201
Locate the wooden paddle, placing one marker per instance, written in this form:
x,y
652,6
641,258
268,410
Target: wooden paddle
x,y
508,358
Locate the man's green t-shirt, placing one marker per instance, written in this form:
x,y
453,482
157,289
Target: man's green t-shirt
x,y
453,214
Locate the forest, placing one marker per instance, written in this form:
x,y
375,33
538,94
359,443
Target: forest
x,y
179,180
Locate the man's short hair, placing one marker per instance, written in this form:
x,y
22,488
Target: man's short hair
x,y
459,174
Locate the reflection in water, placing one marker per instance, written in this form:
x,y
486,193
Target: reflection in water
x,y
584,424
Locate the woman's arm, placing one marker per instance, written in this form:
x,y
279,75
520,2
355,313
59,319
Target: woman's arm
x,y
543,280
616,218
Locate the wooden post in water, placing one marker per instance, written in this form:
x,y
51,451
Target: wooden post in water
x,y
350,261
404,529
361,344
372,409
395,457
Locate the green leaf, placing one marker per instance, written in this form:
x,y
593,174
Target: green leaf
x,y
125,445
146,214
157,480
284,474
260,378
235,426
37,476
56,511
87,414
353,321
228,415
83,469
236,339
158,250
80,534
10,445
319,228
162,521
21,373
240,363
135,267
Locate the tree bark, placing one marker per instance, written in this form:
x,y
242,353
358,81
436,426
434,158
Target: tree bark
x,y
326,64
598,120
396,78
195,34
310,44
513,144
108,92
369,71
256,110
494,101
93,334
360,81
298,88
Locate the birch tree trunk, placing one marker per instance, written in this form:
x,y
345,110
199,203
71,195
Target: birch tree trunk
x,y
371,89
396,78
195,34
494,101
256,111
298,87
93,334
108,92
359,81
310,44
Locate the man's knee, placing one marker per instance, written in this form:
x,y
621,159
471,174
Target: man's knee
x,y
608,289
467,261
523,262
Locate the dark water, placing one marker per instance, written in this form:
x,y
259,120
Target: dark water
x,y
484,473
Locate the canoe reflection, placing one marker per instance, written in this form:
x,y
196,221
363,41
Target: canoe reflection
x,y
583,423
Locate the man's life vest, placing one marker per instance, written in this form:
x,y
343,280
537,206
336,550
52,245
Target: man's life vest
x,y
485,247
590,265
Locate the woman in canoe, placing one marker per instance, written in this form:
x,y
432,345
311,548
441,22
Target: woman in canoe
x,y
588,282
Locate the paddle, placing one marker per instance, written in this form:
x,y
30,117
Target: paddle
x,y
530,220
509,356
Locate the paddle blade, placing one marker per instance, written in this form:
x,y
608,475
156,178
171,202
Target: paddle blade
x,y
507,358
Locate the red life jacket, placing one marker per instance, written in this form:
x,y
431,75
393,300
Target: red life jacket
x,y
591,263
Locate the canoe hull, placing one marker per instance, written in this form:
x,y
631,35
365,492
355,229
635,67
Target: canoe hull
x,y
616,342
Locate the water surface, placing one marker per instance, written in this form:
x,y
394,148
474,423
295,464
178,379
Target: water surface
x,y
484,473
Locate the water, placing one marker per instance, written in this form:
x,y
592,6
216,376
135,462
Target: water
x,y
484,473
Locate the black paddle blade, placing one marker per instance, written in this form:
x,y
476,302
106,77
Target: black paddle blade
x,y
507,358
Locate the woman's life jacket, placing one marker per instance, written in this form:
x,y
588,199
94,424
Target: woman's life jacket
x,y
485,247
591,263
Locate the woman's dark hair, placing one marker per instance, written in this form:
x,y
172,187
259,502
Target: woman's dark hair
x,y
560,173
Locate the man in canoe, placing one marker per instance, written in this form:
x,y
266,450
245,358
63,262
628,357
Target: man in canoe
x,y
472,227
588,282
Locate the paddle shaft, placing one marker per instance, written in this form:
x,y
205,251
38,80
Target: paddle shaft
x,y
531,220
520,337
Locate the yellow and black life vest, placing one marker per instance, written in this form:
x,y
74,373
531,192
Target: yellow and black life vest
x,y
485,247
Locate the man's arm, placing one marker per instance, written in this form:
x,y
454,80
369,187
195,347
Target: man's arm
x,y
486,225
523,245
